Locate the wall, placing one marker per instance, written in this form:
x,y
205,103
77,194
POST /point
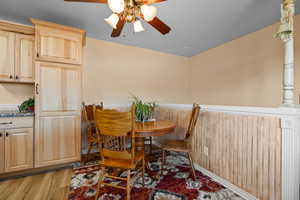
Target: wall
x,y
11,93
243,72
113,71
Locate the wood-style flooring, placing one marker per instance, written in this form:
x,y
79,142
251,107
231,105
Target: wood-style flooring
x,y
47,186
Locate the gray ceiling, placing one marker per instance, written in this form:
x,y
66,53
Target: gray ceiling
x,y
197,25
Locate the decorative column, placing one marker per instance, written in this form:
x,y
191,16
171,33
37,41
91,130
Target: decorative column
x,y
286,34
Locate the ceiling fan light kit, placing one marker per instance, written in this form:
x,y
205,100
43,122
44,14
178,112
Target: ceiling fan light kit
x,y
138,27
131,11
112,20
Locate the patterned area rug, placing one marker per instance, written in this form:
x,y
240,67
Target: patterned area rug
x,y
176,183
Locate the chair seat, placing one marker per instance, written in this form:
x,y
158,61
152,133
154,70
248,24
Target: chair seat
x,y
123,163
175,145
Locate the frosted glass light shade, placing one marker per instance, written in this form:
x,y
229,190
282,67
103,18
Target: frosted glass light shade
x,y
112,20
149,12
138,27
117,6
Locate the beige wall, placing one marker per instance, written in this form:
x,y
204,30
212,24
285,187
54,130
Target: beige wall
x,y
113,71
244,72
11,93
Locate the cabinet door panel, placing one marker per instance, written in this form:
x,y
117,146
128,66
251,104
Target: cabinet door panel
x,y
58,45
18,149
2,160
72,89
24,58
50,78
7,56
60,87
57,140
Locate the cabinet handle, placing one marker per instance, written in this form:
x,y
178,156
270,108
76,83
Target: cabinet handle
x,y
0,134
37,88
17,77
5,123
6,134
10,76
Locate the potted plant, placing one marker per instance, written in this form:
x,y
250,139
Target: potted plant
x,y
143,110
27,106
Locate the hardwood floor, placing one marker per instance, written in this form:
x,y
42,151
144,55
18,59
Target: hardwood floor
x,y
47,186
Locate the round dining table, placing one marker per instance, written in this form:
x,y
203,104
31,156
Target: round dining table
x,y
151,128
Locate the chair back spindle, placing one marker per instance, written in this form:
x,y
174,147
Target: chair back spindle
x,y
193,120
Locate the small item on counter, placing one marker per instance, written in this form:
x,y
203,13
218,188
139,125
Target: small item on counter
x,y
27,106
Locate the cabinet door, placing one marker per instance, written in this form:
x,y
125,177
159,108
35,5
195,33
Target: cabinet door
x,y
58,45
58,116
18,149
57,140
24,62
2,151
7,56
59,88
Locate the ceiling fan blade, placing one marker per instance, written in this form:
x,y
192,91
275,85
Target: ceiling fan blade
x,y
117,32
152,1
160,26
88,1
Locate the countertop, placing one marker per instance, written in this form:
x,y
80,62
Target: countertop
x,y
15,114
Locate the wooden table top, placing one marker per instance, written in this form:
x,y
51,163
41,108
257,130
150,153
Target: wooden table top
x,y
155,128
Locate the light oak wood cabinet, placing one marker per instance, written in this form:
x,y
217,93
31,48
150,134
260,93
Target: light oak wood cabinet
x,y
18,149
58,140
16,144
16,57
58,43
24,58
7,58
58,93
58,99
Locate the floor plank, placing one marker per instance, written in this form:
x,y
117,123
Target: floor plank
x,y
48,186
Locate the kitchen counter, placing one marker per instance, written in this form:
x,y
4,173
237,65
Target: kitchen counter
x,y
15,114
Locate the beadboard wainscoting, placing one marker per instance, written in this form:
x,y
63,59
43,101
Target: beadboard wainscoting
x,y
255,149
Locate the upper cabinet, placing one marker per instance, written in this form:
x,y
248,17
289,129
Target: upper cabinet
x,y
58,43
24,60
7,61
16,53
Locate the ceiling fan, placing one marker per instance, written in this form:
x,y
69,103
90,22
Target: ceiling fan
x,y
131,11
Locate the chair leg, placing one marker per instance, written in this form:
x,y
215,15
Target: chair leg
x,y
89,151
150,145
143,172
101,178
192,165
163,162
128,184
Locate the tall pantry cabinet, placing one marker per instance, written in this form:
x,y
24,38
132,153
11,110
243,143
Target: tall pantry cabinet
x,y
58,85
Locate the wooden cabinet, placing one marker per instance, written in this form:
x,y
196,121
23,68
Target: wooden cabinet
x,y
58,43
58,118
7,62
16,144
16,57
58,93
58,140
24,58
18,149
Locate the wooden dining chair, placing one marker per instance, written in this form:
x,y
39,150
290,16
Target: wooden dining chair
x,y
118,149
183,145
89,117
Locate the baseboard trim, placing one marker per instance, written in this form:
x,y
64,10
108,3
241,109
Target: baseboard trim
x,y
226,183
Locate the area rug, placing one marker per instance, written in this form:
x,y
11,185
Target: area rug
x,y
176,183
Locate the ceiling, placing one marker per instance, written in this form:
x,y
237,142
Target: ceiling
x,y
197,25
